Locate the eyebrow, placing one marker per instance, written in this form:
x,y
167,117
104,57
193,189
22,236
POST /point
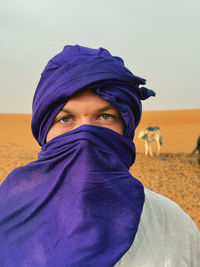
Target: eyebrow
x,y
109,106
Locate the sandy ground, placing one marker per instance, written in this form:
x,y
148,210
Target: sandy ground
x,y
175,173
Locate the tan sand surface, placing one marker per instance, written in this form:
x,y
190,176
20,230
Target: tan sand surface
x,y
175,173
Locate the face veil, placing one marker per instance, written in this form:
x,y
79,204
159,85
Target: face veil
x,y
77,205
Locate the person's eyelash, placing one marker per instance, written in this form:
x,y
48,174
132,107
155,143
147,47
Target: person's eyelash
x,y
107,114
67,118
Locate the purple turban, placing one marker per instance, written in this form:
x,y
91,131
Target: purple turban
x,y
78,68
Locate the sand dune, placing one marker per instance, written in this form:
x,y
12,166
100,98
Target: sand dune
x,y
175,174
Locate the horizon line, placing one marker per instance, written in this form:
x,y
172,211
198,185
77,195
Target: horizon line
x,y
153,110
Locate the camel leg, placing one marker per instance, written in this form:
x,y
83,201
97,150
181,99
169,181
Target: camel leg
x,y
150,149
158,144
194,150
199,156
146,147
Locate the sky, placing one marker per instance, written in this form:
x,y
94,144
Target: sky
x,y
158,40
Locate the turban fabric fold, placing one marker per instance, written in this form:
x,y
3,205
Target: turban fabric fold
x,y
77,205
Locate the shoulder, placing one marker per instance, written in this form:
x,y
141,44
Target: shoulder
x,y
167,219
159,203
166,236
166,212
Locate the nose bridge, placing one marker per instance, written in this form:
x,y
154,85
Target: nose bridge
x,y
86,119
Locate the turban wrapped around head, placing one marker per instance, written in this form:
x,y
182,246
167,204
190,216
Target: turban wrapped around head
x,y
79,68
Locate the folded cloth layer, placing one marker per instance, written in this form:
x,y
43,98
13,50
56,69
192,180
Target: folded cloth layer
x,y
77,205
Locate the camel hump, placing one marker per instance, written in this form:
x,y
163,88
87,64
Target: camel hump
x,y
153,128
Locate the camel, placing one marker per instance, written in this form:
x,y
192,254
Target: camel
x,y
151,134
197,148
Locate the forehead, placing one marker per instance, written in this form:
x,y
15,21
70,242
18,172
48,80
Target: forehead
x,y
88,94
87,99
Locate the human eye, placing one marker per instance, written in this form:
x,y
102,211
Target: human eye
x,y
65,119
106,116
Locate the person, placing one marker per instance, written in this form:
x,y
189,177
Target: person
x,y
78,205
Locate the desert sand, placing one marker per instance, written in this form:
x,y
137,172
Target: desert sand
x,y
175,173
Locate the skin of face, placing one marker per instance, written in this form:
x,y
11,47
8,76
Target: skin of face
x,y
86,108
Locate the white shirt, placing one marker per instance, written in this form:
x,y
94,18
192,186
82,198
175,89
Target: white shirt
x,y
166,237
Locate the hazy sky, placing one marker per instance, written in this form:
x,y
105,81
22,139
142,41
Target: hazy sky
x,y
159,41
